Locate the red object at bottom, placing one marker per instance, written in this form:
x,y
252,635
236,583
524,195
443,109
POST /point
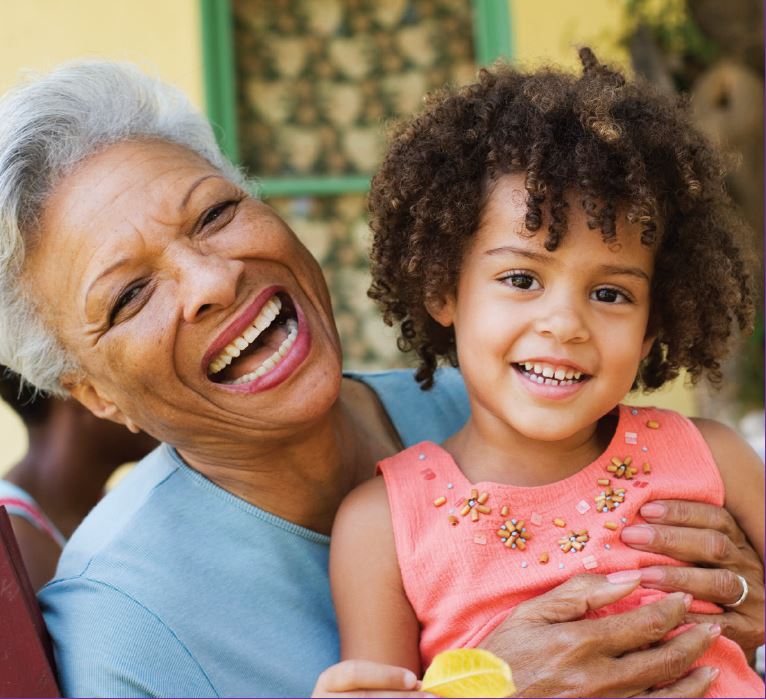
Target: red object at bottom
x,y
26,658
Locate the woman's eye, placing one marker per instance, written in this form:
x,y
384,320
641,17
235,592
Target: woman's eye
x,y
215,213
522,281
123,300
609,295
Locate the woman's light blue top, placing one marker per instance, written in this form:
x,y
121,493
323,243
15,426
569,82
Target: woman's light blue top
x,y
174,587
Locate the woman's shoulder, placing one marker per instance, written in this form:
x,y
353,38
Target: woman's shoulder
x,y
419,415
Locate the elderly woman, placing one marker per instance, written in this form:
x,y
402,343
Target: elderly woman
x,y
140,277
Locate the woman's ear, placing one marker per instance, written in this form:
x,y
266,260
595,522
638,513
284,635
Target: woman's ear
x,y
100,405
442,310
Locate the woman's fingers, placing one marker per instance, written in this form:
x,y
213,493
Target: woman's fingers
x,y
647,624
746,632
361,676
671,660
697,515
718,585
695,684
707,546
573,598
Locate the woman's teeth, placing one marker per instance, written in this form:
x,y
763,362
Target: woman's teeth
x,y
262,321
273,360
549,374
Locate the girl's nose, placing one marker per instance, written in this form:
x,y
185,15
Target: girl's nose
x,y
564,323
207,282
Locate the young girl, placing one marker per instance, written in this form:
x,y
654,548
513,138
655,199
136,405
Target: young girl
x,y
563,240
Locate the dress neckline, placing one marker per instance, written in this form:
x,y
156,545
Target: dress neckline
x,y
616,447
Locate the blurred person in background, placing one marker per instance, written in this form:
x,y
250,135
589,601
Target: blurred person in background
x,y
71,456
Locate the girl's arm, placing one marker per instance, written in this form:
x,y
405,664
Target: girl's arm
x,y
743,478
375,619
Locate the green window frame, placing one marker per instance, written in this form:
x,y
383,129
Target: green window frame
x,y
492,39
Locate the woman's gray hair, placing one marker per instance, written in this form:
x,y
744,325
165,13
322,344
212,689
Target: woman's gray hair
x,y
48,126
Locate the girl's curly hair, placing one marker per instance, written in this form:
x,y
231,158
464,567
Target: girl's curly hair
x,y
614,143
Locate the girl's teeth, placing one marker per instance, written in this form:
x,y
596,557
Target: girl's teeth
x,y
551,376
241,343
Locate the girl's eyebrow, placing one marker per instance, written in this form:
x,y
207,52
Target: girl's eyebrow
x,y
510,249
545,257
619,269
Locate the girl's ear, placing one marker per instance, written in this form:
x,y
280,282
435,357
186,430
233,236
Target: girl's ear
x,y
442,310
99,404
646,345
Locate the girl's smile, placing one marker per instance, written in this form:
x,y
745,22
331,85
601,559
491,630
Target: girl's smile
x,y
555,378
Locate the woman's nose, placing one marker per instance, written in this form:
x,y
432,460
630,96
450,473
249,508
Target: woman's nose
x,y
208,282
563,323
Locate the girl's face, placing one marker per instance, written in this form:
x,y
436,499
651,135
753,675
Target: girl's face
x,y
548,342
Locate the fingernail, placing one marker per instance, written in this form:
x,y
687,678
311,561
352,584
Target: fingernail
x,y
410,679
653,510
636,535
714,630
652,575
624,576
688,599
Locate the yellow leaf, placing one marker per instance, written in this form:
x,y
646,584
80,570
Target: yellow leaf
x,y
468,672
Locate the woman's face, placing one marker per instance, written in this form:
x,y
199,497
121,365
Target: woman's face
x,y
154,270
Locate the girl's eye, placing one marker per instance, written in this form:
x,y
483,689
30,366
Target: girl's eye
x,y
123,300
521,280
608,295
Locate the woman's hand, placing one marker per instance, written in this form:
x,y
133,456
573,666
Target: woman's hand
x,y
363,678
552,655
708,536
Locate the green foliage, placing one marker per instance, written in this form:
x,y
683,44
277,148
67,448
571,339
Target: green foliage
x,y
751,370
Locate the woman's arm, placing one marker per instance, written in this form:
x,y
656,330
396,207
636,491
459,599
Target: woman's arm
x,y
375,619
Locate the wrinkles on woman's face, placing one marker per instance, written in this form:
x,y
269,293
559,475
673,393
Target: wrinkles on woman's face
x,y
147,255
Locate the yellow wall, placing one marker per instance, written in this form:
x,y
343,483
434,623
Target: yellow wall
x,y
163,36
550,31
